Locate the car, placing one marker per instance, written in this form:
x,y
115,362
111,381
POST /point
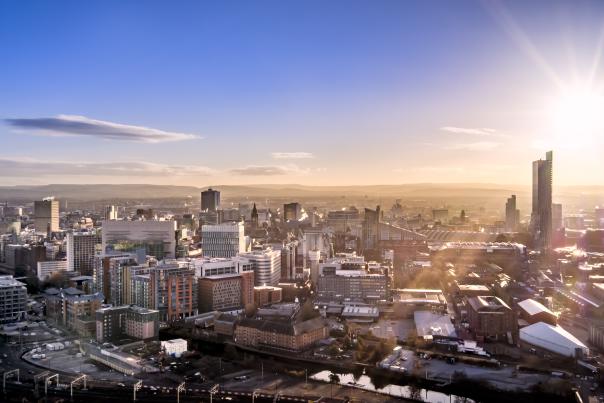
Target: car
x,y
121,385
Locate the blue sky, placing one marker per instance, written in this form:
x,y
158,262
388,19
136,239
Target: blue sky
x,y
312,92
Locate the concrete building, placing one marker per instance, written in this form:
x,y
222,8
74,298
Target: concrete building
x,y
156,238
121,322
13,300
81,247
210,200
351,285
223,240
47,268
46,215
541,216
266,264
491,318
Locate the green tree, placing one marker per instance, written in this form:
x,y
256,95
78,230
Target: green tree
x,y
333,378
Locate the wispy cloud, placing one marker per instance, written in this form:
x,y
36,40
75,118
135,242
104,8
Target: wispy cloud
x,y
26,167
299,155
269,170
482,131
476,146
71,125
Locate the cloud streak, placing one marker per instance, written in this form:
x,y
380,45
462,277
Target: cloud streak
x,y
476,146
483,131
25,167
269,170
71,125
299,155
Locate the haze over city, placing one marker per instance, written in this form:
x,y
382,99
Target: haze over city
x,y
314,93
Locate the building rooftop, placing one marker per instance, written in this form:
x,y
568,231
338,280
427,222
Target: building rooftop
x,y
487,303
533,307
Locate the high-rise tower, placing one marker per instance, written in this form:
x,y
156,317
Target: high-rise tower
x,y
541,216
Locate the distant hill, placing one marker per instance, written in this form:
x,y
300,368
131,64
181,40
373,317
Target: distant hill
x,y
406,191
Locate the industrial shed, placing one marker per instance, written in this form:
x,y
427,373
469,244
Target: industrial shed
x,y
533,312
552,338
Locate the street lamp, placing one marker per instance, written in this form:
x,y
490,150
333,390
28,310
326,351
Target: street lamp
x,y
254,395
6,375
137,386
79,378
213,390
180,388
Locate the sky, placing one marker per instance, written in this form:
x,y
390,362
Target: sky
x,y
308,92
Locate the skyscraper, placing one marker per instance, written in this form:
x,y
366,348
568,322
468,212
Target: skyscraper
x,y
512,215
210,200
46,214
292,211
541,216
80,251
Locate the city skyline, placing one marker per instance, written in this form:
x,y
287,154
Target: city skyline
x,y
210,94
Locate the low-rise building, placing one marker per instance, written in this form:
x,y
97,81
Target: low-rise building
x,y
491,318
116,323
533,311
175,347
288,336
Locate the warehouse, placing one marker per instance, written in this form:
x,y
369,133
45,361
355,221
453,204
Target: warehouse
x,y
533,311
554,339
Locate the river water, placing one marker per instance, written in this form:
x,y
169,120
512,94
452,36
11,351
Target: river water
x,y
364,382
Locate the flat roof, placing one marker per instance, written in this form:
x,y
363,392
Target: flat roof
x,y
533,307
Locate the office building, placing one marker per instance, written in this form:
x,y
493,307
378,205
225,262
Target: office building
x,y
13,300
155,238
292,212
47,269
371,228
541,216
266,264
46,215
217,266
351,284
121,322
81,247
210,200
225,292
223,240
512,215
111,213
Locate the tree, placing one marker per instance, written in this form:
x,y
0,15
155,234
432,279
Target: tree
x,y
308,311
333,378
250,310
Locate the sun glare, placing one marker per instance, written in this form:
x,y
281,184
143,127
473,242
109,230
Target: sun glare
x,y
578,116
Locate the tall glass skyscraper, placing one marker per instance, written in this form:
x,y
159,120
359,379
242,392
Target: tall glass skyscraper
x,y
541,216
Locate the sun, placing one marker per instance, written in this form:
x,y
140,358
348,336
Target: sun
x,y
577,116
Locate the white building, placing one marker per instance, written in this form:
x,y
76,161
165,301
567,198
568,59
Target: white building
x,y
552,338
158,238
13,299
223,240
205,266
267,266
80,251
48,268
174,347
